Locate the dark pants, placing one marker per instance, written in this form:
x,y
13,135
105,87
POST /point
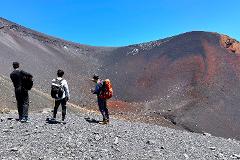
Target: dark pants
x,y
63,103
22,103
102,103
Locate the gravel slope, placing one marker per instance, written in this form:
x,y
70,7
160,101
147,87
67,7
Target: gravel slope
x,y
79,139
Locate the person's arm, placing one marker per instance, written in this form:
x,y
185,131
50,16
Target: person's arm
x,y
11,76
97,89
66,88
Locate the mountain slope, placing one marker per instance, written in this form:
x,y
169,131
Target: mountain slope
x,y
191,79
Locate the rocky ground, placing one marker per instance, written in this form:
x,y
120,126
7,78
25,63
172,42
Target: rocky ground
x,y
80,139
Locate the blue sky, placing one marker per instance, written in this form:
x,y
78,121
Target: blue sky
x,y
123,22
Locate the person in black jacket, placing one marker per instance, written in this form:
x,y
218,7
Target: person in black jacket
x,y
21,93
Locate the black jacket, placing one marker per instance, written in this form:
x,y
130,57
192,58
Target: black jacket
x,y
16,77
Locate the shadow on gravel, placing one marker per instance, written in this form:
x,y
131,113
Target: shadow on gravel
x,y
50,121
11,118
91,120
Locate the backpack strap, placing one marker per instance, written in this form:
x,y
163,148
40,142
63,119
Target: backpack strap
x,y
64,88
59,81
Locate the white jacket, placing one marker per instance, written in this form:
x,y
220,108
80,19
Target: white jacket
x,y
65,86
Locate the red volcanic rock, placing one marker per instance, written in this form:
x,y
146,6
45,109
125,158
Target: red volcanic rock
x,y
120,106
231,44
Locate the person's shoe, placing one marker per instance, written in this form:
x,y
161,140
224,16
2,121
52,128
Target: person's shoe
x,y
104,122
24,120
19,119
63,121
27,121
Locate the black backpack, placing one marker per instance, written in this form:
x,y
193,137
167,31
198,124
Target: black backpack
x,y
57,89
27,80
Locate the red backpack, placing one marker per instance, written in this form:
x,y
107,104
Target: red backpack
x,y
106,91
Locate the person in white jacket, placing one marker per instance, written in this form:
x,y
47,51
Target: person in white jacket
x,y
65,96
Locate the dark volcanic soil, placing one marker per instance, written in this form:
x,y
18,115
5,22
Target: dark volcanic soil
x,y
192,79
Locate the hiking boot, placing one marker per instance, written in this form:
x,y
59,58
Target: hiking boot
x,y
24,120
104,122
27,121
19,119
63,122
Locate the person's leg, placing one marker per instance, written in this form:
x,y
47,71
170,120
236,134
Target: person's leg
x,y
101,108
106,109
64,108
25,105
57,103
19,104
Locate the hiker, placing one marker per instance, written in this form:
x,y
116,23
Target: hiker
x,y
22,82
102,95
60,92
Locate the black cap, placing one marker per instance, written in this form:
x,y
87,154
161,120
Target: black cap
x,y
15,65
95,77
